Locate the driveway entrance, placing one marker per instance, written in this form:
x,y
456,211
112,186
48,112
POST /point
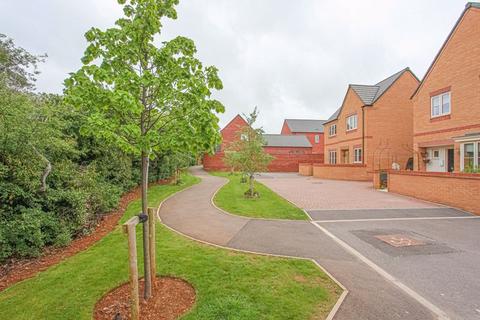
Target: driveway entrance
x,y
429,251
316,194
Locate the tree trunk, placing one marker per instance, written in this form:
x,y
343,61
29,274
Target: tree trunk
x,y
251,185
46,171
147,293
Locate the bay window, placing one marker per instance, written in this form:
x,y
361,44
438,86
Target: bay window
x,y
470,156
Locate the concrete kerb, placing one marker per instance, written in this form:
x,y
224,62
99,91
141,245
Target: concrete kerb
x,y
340,300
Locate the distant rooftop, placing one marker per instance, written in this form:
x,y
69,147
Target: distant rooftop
x,y
280,140
305,125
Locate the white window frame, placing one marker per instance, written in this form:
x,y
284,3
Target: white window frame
x,y
332,156
332,130
441,112
438,154
317,138
476,151
352,126
357,155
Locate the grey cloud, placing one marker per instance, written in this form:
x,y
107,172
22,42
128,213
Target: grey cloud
x,y
290,58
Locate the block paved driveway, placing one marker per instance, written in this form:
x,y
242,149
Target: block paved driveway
x,y
311,193
426,266
431,249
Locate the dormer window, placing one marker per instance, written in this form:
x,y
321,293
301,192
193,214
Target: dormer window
x,y
440,105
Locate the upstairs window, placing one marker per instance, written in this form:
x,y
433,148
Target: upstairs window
x,y
332,130
352,122
317,138
440,105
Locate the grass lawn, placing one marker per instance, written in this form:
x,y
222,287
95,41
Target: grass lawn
x,y
229,285
269,205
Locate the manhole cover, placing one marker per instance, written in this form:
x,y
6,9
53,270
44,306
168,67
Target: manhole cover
x,y
400,240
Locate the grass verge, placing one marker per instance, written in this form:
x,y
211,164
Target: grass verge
x,y
229,285
269,205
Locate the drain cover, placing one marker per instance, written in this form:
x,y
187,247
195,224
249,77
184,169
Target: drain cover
x,y
400,240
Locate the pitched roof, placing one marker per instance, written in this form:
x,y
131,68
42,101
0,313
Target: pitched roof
x,y
369,94
334,116
238,118
305,125
467,6
280,140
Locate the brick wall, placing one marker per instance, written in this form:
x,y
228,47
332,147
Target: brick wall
x,y
452,189
286,159
305,169
390,124
214,162
355,172
457,70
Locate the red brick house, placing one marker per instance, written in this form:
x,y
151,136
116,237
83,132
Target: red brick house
x,y
447,102
312,129
288,150
446,122
372,130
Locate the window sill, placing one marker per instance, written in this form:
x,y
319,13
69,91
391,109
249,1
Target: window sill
x,y
351,131
440,118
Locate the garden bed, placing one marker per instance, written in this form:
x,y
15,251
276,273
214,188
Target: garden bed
x,y
16,270
171,298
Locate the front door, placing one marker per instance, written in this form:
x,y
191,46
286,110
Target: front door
x,y
345,156
437,160
450,160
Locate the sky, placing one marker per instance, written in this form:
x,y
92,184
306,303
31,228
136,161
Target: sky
x,y
291,59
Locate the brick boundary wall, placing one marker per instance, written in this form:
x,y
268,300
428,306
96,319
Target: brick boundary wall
x,y
354,172
283,162
305,169
460,190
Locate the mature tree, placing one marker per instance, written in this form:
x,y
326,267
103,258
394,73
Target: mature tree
x,y
143,98
247,154
18,67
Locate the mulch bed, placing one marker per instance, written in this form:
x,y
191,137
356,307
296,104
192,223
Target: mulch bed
x,y
171,298
17,270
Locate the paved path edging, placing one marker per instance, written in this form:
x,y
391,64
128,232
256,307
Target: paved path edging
x,y
345,291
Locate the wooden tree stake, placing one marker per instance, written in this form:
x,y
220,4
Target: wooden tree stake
x,y
129,229
151,235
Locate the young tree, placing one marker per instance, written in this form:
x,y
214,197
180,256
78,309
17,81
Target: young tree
x,y
247,153
143,98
